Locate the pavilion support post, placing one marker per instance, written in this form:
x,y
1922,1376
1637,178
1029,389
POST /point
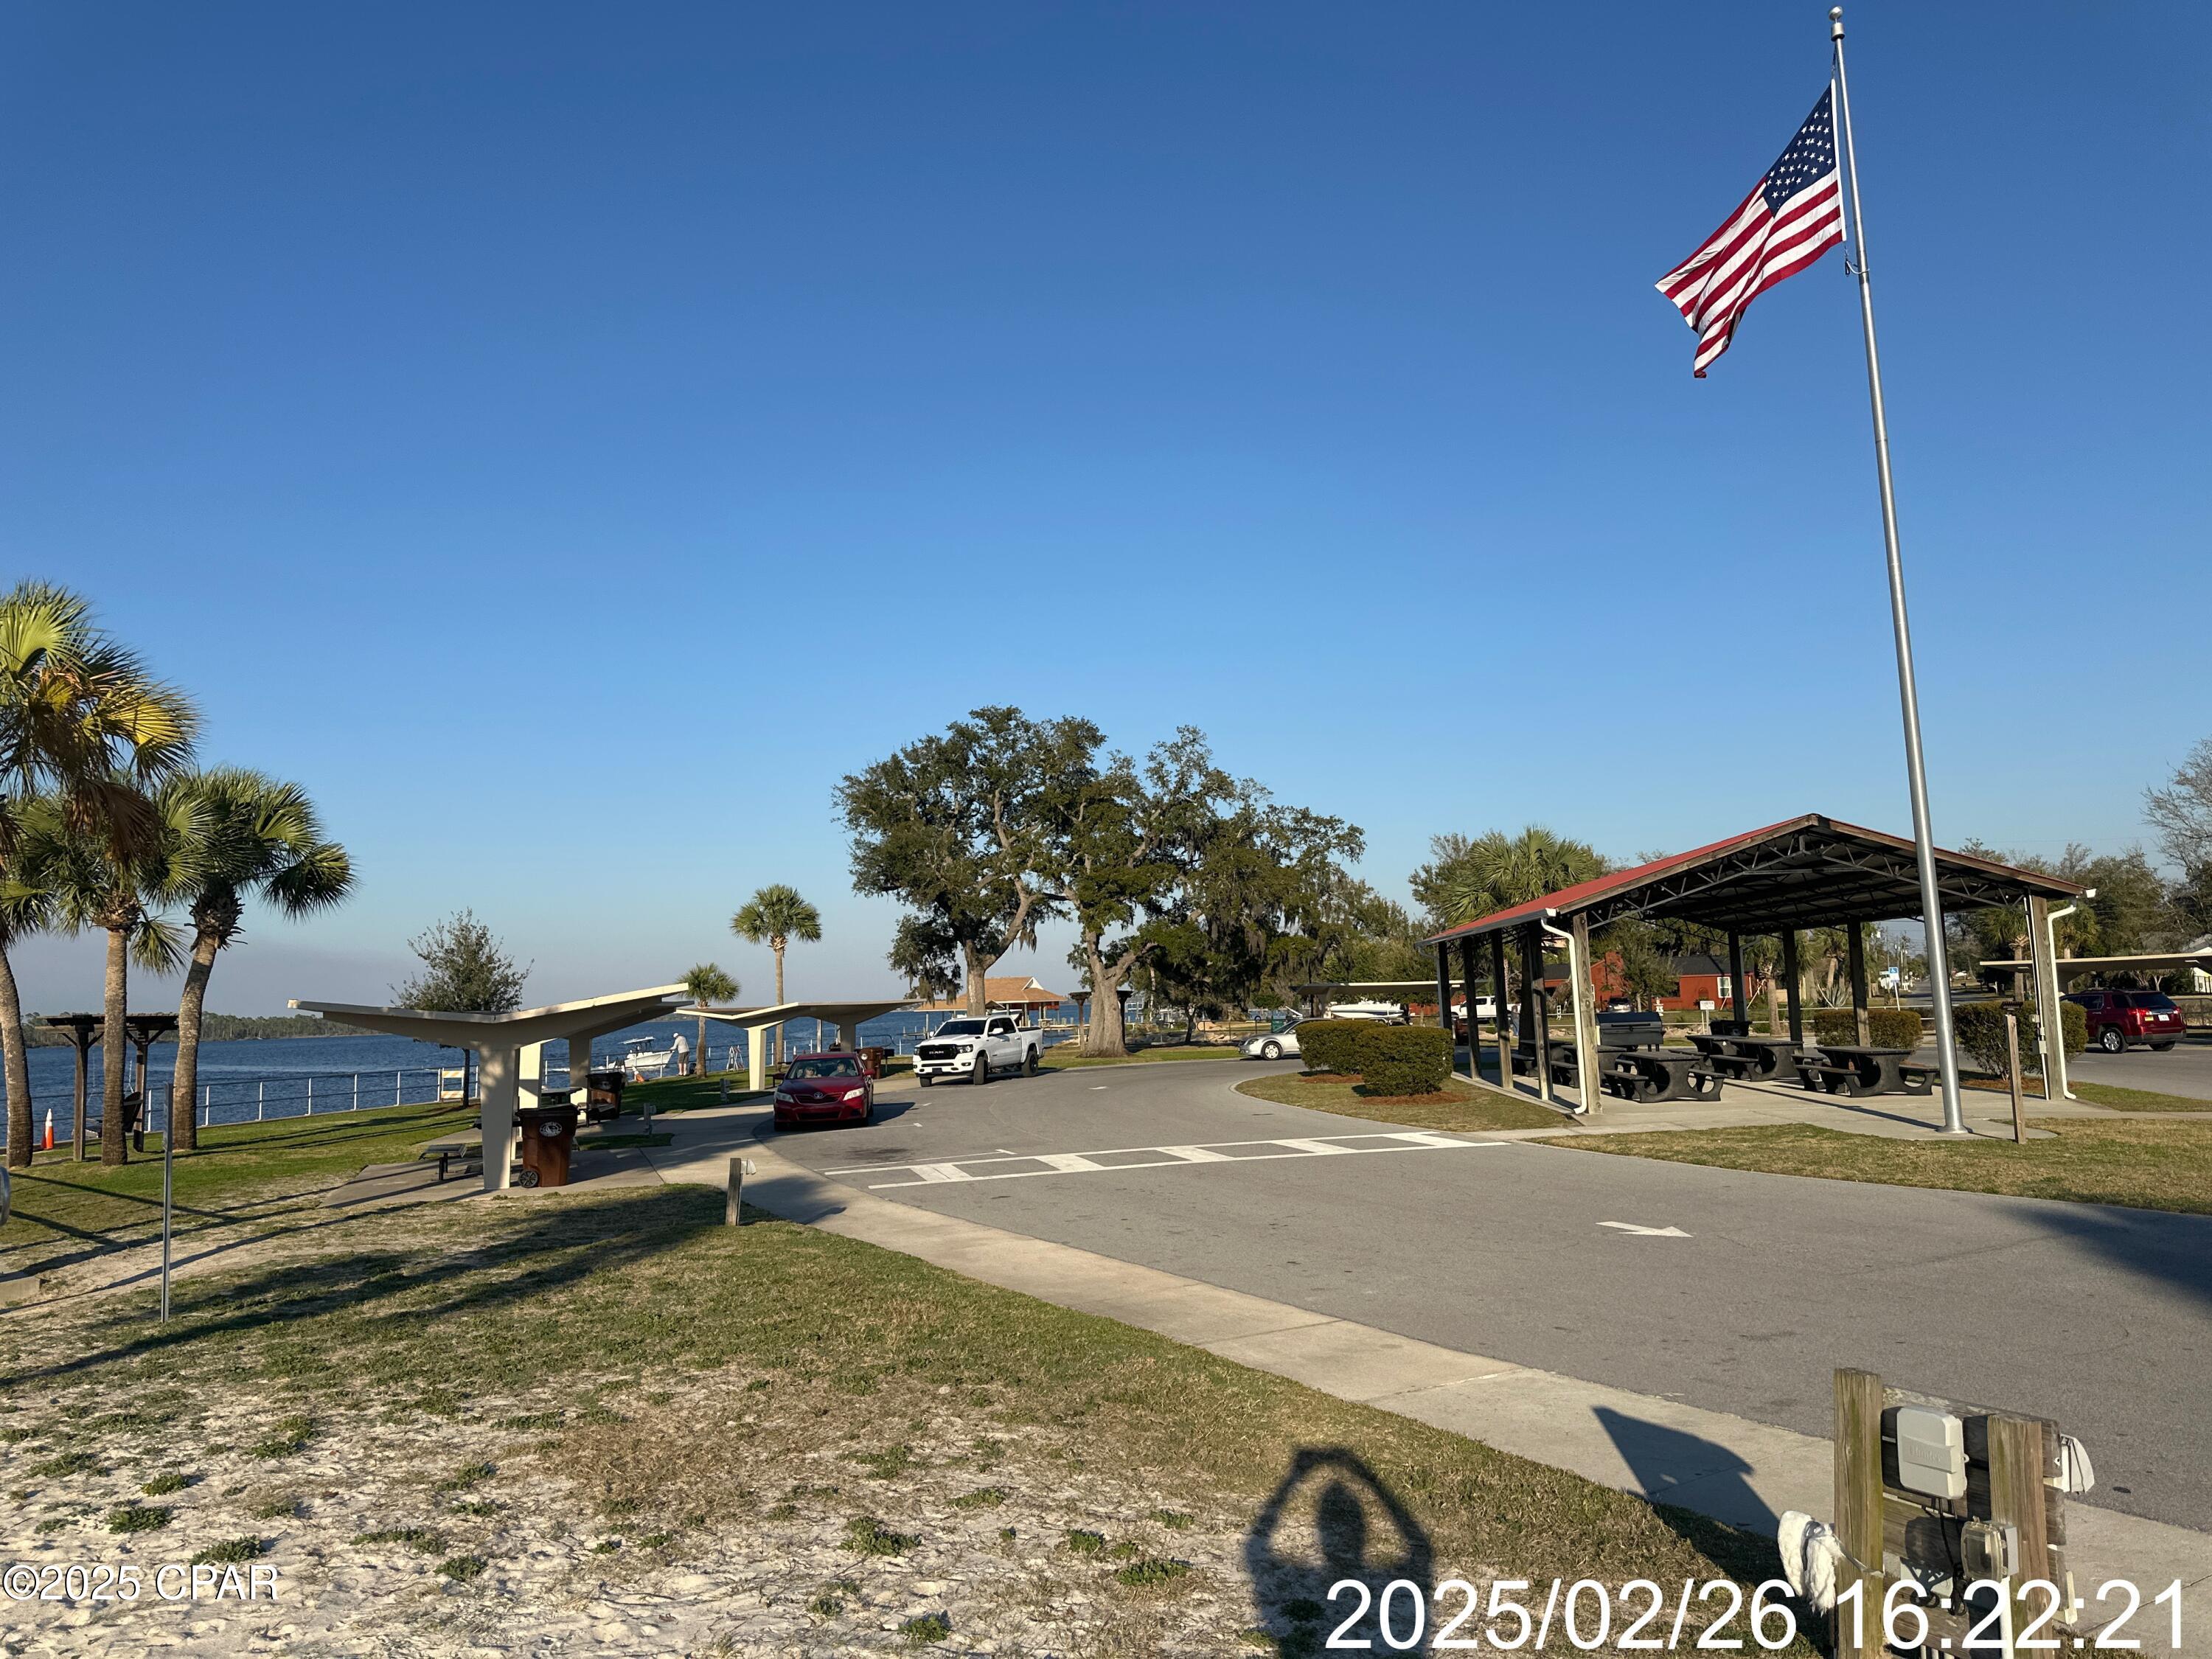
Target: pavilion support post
x,y
1791,987
1443,986
1855,965
1467,976
2049,1010
1585,1015
83,1067
1504,1021
1536,1005
495,1085
580,1069
849,1035
141,1040
1739,1000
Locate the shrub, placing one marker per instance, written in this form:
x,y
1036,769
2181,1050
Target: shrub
x,y
1981,1030
1332,1045
1887,1028
1406,1059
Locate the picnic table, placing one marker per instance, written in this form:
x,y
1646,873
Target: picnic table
x,y
1651,1074
1751,1058
1856,1069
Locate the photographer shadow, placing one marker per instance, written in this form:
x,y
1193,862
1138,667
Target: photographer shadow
x,y
1330,1520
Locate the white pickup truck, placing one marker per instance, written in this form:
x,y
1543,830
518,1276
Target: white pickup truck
x,y
976,1046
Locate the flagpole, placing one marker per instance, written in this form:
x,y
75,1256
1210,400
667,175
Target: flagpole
x,y
1931,905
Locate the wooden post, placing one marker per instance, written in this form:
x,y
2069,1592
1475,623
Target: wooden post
x,y
2012,1071
1789,986
1858,1508
1739,1001
1855,961
1504,1022
735,1201
2016,1491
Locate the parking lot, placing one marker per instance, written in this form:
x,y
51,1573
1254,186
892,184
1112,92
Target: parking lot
x,y
1735,1292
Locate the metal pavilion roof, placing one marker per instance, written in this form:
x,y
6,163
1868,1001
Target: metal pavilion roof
x,y
1806,872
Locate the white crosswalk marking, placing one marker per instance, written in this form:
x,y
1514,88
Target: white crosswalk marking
x,y
1158,1158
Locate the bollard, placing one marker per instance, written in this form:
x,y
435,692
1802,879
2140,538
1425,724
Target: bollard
x,y
2012,1070
739,1169
726,1088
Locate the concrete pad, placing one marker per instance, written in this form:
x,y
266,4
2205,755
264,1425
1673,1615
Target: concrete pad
x,y
1356,1362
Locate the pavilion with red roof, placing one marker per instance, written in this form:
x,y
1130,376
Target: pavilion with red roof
x,y
1806,872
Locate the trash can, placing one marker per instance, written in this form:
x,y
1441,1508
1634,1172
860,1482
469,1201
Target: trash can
x,y
549,1136
604,1090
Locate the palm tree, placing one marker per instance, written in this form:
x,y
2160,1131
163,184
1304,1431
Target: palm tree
x,y
778,914
707,984
1492,872
255,837
81,716
93,882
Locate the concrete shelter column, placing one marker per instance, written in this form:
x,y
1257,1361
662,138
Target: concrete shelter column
x,y
530,1075
2049,1009
849,1035
1790,987
757,1057
580,1066
1854,963
495,1085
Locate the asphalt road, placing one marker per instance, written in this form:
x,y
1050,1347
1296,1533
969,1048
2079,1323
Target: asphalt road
x,y
2097,1317
2183,1069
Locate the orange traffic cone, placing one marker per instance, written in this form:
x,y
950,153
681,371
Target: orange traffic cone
x,y
50,1129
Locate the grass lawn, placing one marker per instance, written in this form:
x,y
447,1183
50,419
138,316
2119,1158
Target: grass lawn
x,y
1460,1106
679,1094
245,1179
2101,1094
2137,1162
1065,1059
659,1378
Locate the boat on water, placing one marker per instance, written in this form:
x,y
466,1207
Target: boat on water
x,y
645,1058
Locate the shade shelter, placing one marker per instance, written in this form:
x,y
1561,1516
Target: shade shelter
x,y
142,1030
1806,872
757,1023
509,1047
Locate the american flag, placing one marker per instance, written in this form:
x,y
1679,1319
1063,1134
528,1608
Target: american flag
x,y
1792,216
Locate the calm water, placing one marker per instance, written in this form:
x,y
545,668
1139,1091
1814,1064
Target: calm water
x,y
283,1077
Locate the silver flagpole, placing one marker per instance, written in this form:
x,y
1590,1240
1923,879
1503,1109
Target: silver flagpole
x,y
1931,904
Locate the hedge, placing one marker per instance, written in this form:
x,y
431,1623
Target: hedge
x,y
1887,1028
1392,1059
1406,1060
1981,1030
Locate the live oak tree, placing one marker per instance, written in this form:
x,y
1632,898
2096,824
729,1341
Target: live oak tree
x,y
466,969
953,826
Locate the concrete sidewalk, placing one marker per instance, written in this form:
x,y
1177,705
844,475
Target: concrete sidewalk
x,y
1727,1467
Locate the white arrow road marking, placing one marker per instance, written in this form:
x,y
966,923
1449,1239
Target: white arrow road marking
x,y
1097,1088
1161,1157
1646,1232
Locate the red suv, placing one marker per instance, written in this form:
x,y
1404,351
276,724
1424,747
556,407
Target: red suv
x,y
2119,1019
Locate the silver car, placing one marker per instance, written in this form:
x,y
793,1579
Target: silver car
x,y
1273,1045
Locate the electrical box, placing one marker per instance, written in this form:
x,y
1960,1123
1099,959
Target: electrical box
x,y
1931,1452
1991,1549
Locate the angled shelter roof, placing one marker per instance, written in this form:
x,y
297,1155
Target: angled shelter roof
x,y
834,1013
593,1017
1808,871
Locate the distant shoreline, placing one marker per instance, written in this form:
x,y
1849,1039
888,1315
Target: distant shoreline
x,y
216,1027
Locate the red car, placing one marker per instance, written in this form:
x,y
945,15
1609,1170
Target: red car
x,y
2120,1020
833,1088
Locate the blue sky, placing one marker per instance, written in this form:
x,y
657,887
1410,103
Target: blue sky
x,y
568,438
